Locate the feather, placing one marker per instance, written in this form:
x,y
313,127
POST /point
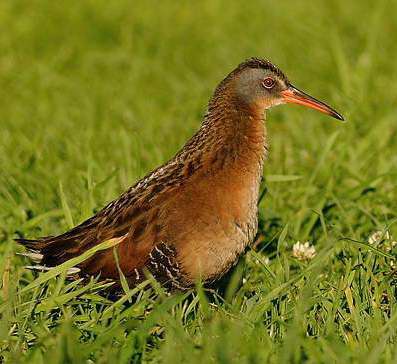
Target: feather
x,y
42,268
34,256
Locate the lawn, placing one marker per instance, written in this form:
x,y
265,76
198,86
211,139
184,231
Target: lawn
x,y
95,94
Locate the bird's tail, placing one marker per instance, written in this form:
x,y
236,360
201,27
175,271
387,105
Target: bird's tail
x,y
34,247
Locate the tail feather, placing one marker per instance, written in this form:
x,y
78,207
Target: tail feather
x,y
38,251
42,268
33,244
34,253
34,256
51,250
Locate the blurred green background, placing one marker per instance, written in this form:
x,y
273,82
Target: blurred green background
x,y
94,94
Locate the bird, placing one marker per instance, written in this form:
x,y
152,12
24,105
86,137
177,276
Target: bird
x,y
191,218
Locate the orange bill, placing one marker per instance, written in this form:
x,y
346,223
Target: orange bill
x,y
295,96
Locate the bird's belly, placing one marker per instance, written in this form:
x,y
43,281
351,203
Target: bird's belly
x,y
213,256
212,242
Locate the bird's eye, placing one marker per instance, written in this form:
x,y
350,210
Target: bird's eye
x,y
268,82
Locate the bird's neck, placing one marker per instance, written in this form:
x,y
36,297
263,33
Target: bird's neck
x,y
232,136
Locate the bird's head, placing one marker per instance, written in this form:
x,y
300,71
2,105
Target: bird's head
x,y
259,84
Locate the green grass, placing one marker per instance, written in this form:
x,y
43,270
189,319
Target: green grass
x,y
94,94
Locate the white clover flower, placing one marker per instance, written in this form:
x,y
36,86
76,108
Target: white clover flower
x,y
389,246
378,236
304,251
264,259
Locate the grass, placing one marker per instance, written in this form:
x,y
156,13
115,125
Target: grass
x,y
94,94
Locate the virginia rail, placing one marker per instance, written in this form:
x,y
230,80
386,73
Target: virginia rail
x,y
192,217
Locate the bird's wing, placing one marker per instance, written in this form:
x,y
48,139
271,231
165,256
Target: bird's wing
x,y
135,217
133,223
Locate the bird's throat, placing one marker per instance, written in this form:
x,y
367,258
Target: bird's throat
x,y
236,136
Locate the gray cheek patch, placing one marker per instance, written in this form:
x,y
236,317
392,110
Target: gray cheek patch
x,y
249,86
